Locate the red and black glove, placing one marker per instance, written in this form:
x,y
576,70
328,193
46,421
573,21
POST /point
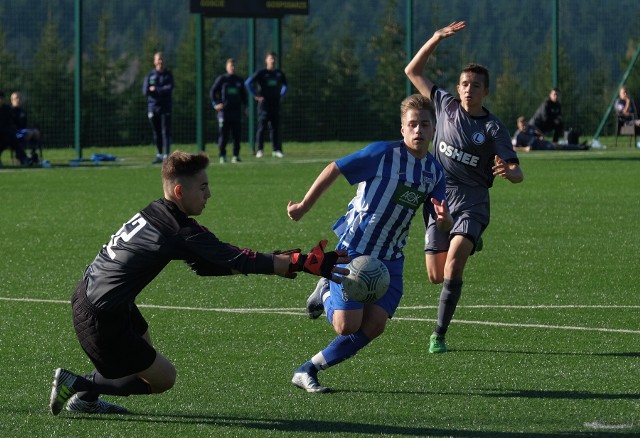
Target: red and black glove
x,y
289,252
317,262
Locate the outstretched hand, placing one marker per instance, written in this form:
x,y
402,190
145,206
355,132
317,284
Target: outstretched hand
x,y
444,221
508,171
296,210
320,263
450,30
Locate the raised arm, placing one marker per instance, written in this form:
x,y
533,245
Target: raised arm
x,y
415,69
327,177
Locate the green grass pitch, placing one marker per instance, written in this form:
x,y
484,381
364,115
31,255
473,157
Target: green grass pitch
x,y
545,342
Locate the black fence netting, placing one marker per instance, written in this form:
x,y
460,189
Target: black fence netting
x,y
344,62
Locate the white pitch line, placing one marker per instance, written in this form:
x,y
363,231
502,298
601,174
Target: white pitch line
x,y
297,312
602,426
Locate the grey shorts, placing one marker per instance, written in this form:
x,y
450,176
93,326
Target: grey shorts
x,y
469,207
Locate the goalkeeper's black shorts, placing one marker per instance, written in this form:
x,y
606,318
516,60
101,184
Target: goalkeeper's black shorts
x,y
112,339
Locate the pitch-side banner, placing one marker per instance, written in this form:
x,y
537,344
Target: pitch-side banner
x,y
249,8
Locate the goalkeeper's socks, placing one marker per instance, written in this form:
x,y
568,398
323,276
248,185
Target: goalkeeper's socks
x,y
343,347
123,386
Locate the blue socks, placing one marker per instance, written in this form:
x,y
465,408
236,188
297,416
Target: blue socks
x,y
343,347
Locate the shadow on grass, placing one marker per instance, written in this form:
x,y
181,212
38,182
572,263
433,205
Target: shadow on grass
x,y
569,395
314,426
548,353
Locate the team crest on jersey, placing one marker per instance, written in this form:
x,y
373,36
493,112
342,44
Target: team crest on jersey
x,y
427,178
478,137
492,128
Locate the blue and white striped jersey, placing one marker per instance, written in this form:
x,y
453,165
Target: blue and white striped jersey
x,y
391,186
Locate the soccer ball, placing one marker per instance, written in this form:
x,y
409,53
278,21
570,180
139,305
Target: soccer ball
x,y
368,280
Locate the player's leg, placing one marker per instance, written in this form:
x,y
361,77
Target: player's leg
x,y
119,345
558,130
263,125
435,266
223,138
356,325
275,135
156,130
236,131
156,378
459,251
436,245
167,134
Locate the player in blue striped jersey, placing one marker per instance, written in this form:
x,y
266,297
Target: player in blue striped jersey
x,y
394,179
474,147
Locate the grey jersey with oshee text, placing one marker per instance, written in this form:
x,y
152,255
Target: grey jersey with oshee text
x,y
466,145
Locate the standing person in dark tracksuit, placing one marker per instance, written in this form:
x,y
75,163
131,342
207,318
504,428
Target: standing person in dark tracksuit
x,y
267,86
158,86
227,95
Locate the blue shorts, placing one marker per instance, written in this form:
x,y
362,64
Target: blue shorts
x,y
389,302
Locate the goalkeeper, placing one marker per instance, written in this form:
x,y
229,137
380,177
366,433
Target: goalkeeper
x,y
394,178
109,326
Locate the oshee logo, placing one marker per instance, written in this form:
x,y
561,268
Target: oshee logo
x,y
458,154
408,197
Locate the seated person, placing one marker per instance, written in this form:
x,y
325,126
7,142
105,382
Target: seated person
x,y
626,109
8,133
528,138
28,136
548,116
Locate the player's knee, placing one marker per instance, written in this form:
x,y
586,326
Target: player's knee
x,y
372,331
435,278
165,382
345,328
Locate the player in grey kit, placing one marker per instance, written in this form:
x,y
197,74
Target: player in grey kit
x,y
109,326
474,147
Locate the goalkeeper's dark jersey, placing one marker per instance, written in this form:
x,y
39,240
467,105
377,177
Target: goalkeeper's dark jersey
x,y
159,233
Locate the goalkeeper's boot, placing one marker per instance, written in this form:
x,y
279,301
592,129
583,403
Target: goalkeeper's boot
x,y
98,406
315,307
62,389
437,344
306,377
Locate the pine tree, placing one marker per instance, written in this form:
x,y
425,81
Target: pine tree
x,y
387,87
51,87
303,108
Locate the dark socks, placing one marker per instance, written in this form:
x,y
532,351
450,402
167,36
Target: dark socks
x,y
124,386
451,291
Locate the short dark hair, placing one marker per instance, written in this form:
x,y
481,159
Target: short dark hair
x,y
478,69
181,165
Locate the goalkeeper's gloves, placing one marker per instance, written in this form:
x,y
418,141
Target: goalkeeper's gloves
x,y
317,262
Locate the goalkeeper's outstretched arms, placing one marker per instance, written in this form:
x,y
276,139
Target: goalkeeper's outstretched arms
x,y
233,260
317,262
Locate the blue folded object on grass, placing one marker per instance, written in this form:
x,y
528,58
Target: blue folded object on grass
x,y
103,157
